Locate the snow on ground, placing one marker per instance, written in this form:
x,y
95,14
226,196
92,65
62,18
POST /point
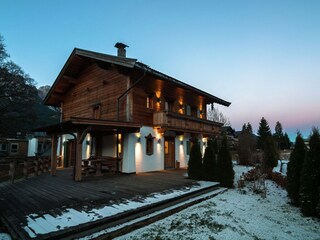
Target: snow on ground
x,y
235,215
70,217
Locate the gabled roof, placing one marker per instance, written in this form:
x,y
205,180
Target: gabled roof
x,y
79,58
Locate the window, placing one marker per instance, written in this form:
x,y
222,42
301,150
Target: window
x,y
14,148
149,144
188,112
3,147
96,112
149,103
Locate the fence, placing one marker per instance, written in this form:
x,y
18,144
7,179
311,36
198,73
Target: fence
x,y
12,168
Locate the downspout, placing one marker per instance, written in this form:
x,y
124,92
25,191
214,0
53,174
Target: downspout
x,y
123,94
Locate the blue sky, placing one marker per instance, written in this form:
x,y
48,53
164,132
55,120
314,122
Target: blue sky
x,y
263,56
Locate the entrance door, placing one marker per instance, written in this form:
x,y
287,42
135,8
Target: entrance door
x,y
169,153
69,153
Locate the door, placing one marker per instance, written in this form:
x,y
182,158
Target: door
x,y
169,153
69,153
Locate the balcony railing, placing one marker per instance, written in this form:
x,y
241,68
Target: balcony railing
x,y
178,122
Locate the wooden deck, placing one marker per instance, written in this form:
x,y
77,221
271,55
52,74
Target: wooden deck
x,y
48,194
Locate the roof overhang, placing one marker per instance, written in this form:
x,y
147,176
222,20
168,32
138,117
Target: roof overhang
x,y
91,125
80,58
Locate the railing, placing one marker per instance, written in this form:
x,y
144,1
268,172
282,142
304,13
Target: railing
x,y
12,168
177,121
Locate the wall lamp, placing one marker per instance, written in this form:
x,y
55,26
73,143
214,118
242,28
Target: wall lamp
x,y
138,139
159,140
181,142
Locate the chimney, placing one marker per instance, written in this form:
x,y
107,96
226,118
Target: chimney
x,y
121,49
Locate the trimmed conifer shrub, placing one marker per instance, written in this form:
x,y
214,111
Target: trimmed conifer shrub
x,y
195,162
294,169
270,154
310,177
224,170
209,162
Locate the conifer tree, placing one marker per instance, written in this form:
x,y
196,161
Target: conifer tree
x,y
195,161
263,132
287,142
270,154
225,173
209,162
310,177
278,135
294,169
249,127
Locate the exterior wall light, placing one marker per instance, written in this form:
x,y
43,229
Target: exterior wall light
x,y
181,142
138,139
159,140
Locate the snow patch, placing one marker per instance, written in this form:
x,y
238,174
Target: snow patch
x,y
70,217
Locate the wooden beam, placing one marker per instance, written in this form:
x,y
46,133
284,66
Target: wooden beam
x,y
54,154
78,168
70,79
83,135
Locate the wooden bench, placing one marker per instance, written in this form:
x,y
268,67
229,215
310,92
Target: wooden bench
x,y
98,163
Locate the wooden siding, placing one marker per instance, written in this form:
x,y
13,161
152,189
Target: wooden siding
x,y
96,87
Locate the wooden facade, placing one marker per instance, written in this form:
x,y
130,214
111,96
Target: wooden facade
x,y
100,94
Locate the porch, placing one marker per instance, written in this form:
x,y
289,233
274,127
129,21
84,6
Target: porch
x,y
46,196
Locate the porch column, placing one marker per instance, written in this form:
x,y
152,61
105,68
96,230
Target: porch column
x,y
78,169
53,154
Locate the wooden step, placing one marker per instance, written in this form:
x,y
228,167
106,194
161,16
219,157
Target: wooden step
x,y
151,214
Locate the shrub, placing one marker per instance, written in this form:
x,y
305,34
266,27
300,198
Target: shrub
x,y
209,162
195,161
225,173
294,169
270,154
310,177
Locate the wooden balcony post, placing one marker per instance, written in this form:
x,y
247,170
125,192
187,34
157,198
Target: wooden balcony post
x,y
78,165
53,154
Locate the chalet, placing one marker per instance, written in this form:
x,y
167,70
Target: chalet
x,y
121,109
10,147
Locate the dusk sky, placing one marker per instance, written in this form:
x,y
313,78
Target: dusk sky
x,y
263,56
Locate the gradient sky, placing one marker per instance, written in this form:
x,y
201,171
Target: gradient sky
x,y
263,56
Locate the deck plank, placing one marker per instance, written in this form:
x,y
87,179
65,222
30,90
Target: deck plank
x,y
51,194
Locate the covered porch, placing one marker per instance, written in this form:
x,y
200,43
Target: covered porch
x,y
78,143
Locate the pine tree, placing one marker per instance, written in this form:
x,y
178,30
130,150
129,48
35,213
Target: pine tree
x,y
287,142
249,127
294,169
263,132
195,161
278,135
225,173
270,154
209,162
310,177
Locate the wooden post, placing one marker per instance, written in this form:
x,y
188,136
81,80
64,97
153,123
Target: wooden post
x,y
78,164
53,154
12,166
25,168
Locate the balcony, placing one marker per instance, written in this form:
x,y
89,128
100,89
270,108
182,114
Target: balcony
x,y
182,123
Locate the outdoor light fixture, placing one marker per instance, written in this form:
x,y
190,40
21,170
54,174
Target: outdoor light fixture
x,y
139,139
158,100
181,142
159,140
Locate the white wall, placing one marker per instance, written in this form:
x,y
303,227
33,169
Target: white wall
x,y
128,156
32,147
154,162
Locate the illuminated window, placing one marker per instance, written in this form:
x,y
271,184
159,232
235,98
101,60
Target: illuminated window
x,y
188,112
149,144
149,102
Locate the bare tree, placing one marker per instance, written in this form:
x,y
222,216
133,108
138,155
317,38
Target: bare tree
x,y
214,114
